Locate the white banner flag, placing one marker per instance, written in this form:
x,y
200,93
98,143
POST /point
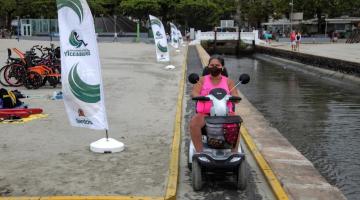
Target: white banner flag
x,y
162,50
174,36
181,40
80,66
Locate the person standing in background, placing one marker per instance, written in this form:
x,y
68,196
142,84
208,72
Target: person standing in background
x,y
270,36
292,40
266,37
298,41
335,36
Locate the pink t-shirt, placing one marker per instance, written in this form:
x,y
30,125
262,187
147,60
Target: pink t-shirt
x,y
205,106
292,36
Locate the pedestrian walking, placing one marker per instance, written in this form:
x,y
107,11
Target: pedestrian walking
x,y
266,37
270,36
298,40
335,36
292,40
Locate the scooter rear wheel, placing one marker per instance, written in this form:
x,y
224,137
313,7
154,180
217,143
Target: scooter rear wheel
x,y
196,175
241,181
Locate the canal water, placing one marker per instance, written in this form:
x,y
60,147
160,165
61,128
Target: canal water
x,y
320,117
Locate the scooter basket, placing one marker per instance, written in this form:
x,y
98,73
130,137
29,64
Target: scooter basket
x,y
220,136
215,135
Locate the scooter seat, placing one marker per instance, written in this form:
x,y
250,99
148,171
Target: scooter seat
x,y
223,119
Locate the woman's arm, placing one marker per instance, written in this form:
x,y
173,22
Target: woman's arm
x,y
197,88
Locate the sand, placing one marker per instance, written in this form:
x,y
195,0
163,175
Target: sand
x,y
49,157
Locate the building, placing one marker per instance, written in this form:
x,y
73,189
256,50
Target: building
x,y
226,26
343,25
104,26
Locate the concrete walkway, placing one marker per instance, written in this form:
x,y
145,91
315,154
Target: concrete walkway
x,y
48,157
297,175
342,51
216,186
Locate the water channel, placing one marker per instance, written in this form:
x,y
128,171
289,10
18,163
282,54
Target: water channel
x,y
320,117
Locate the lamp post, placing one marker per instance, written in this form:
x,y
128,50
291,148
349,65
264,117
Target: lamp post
x,y
50,33
238,16
138,31
115,33
326,26
291,14
18,28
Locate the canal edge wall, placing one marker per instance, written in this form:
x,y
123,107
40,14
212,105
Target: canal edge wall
x,y
309,69
345,67
297,175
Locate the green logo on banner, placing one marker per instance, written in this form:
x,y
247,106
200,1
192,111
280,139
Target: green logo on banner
x,y
161,48
75,5
158,35
75,41
156,22
81,90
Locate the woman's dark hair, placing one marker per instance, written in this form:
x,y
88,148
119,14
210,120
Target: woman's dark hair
x,y
217,57
222,61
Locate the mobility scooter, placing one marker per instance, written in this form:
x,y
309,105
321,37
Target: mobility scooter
x,y
219,137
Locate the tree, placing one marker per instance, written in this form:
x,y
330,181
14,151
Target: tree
x,y
226,9
281,8
97,7
7,9
200,14
168,11
139,9
37,8
257,11
312,8
105,7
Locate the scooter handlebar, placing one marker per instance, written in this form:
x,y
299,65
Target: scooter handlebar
x,y
234,98
201,98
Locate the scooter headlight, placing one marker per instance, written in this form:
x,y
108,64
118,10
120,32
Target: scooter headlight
x,y
235,159
204,159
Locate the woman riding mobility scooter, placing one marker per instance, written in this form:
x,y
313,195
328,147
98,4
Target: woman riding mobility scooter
x,y
219,138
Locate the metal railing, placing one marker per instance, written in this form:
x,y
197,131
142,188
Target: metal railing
x,y
247,37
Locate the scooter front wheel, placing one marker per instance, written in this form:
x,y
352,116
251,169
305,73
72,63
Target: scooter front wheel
x,y
242,176
196,175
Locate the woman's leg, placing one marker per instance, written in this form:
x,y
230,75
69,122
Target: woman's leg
x,y
196,123
297,46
